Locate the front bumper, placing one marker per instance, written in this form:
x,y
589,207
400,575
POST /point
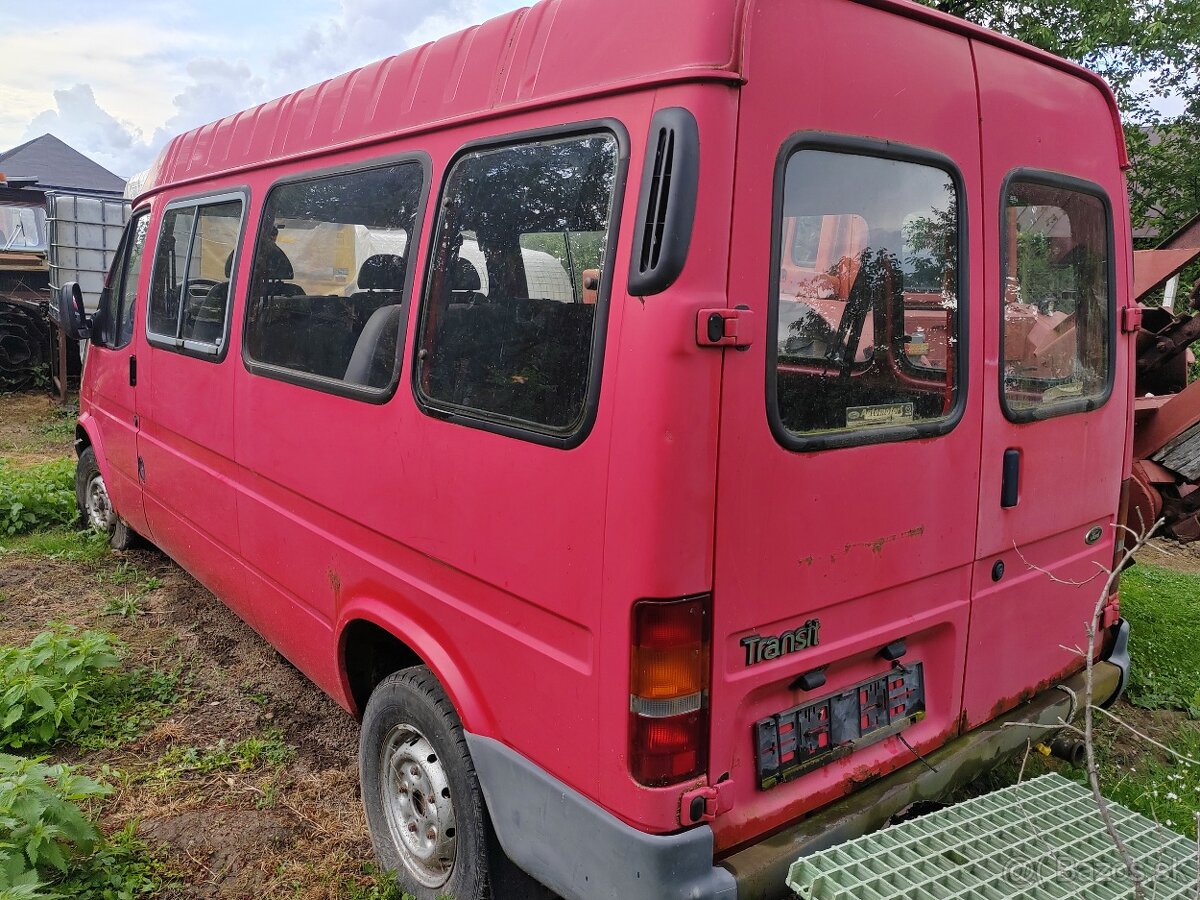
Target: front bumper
x,y
583,852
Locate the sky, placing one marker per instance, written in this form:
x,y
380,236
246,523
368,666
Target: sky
x,y
117,80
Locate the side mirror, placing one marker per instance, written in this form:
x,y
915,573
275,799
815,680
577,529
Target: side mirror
x,y
69,314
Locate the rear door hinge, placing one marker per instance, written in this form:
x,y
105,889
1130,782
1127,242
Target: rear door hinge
x,y
1131,319
725,327
704,804
141,470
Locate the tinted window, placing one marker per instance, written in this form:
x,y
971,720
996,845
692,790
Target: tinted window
x,y
330,267
866,333
1057,303
189,296
508,326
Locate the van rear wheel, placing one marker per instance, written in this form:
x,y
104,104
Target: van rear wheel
x,y
424,808
95,505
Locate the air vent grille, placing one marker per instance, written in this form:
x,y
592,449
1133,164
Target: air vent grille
x,y
667,204
660,197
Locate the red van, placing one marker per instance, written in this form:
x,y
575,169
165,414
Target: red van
x,y
659,423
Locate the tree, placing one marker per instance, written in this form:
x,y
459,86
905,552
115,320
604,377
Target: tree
x,y
1149,52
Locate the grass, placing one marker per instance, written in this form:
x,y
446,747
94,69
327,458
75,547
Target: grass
x,y
1163,607
265,752
58,543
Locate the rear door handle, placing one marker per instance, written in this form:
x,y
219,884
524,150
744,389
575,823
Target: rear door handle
x,y
1012,478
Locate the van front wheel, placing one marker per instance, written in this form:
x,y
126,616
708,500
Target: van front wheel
x,y
95,505
426,813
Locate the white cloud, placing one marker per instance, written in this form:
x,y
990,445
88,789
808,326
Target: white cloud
x,y
120,89
78,120
214,88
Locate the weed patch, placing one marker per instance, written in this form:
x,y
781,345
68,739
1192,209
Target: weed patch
x,y
37,497
46,688
48,846
65,685
1163,608
266,752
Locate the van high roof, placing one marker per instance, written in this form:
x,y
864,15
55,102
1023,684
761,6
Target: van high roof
x,y
546,53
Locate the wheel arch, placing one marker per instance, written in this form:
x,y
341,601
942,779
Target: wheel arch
x,y
375,639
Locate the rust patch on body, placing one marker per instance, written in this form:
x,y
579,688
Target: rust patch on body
x,y
335,582
876,546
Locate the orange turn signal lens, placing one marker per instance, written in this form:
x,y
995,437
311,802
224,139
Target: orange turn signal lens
x,y
668,689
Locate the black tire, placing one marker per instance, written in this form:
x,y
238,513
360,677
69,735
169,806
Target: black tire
x,y
410,715
89,486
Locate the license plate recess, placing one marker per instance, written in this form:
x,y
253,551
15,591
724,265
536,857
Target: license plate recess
x,y
798,740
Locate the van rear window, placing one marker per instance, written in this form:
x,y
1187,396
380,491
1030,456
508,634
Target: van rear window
x,y
867,318
508,326
1058,318
330,275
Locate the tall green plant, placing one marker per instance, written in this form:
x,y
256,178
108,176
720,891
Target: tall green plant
x,y
46,687
38,497
42,828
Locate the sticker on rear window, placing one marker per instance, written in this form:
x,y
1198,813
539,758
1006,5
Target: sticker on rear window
x,y
885,414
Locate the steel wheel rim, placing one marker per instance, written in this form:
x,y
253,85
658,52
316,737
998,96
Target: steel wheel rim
x,y
415,793
99,507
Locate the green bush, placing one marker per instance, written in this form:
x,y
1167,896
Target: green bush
x,y
37,497
47,687
41,825
50,849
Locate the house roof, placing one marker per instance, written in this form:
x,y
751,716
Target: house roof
x,y
59,167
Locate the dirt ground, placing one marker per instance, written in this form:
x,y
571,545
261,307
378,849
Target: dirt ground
x,y
290,830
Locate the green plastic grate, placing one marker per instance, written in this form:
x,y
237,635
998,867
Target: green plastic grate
x,y
1040,839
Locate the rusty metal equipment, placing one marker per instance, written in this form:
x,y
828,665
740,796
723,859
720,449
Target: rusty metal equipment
x,y
1166,433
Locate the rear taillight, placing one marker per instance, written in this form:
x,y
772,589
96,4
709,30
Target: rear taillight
x,y
668,690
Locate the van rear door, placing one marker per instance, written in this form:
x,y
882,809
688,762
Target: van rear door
x,y
847,492
1055,402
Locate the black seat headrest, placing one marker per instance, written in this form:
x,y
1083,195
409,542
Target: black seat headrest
x,y
465,277
277,266
382,272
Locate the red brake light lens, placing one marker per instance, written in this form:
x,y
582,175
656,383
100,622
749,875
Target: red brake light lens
x,y
669,677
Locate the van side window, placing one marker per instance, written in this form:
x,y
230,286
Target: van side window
x,y
189,294
114,323
508,324
867,321
1057,335
330,273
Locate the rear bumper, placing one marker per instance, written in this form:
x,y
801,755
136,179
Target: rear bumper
x,y
759,870
581,851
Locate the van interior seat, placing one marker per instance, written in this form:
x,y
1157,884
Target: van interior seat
x,y
380,283
514,357
373,360
465,284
